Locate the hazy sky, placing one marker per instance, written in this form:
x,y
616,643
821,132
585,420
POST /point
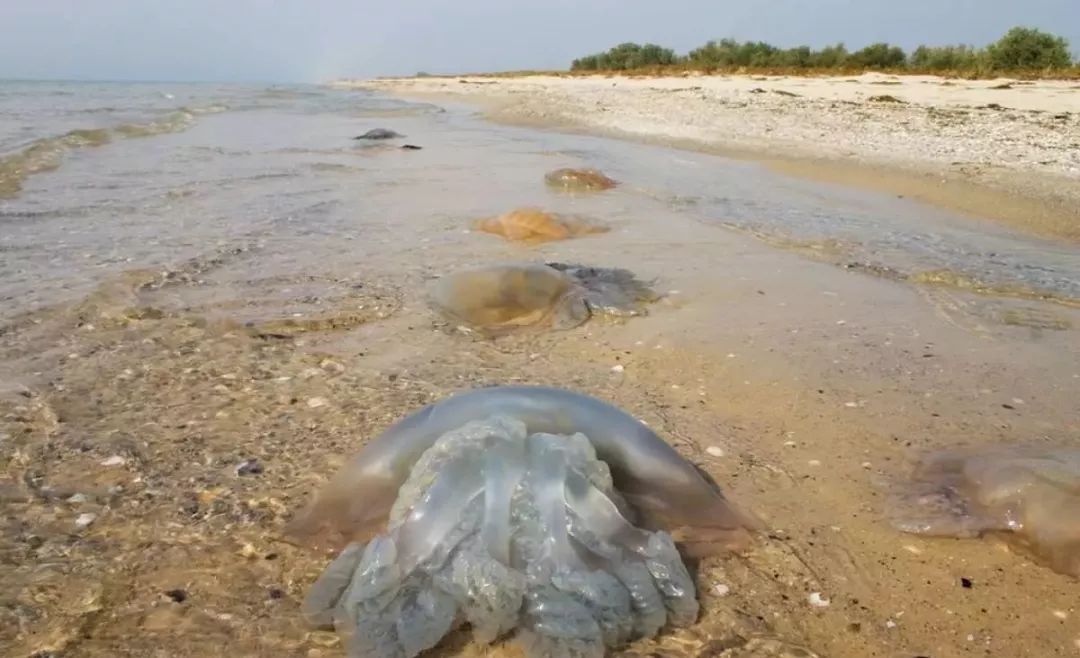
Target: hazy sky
x,y
313,40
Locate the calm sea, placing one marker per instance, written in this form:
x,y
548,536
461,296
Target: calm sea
x,y
267,184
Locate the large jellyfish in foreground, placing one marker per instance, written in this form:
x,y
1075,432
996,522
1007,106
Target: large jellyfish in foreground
x,y
514,508
504,298
1029,494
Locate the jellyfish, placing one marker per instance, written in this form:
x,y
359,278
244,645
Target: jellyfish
x,y
379,133
527,511
1027,494
504,298
579,180
535,225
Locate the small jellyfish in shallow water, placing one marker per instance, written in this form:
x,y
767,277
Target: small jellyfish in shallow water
x,y
379,134
1028,494
505,298
523,510
579,180
534,225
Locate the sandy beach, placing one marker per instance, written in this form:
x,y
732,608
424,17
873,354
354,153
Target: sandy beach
x,y
178,380
1004,150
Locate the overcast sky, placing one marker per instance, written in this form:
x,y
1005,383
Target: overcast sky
x,y
316,40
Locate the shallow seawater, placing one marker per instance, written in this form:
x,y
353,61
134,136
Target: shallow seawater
x,y
274,169
199,324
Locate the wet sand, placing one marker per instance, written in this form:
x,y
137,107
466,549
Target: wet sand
x,y
813,385
1003,150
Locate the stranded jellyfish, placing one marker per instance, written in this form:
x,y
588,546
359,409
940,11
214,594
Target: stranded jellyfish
x,y
526,511
379,134
579,180
1028,494
535,225
503,298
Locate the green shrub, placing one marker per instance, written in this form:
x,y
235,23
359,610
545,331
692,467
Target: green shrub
x,y
1025,48
626,56
946,58
1021,49
714,54
800,57
879,56
830,57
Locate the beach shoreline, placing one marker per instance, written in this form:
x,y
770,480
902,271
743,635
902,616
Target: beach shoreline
x,y
180,374
1000,150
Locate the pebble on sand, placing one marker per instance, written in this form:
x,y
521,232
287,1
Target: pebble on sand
x,y
331,366
249,467
817,600
177,595
85,520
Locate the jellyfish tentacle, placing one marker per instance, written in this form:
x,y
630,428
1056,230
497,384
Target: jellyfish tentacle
x,y
549,472
361,616
425,530
598,513
598,525
646,599
328,589
559,626
504,468
570,574
425,617
489,593
606,598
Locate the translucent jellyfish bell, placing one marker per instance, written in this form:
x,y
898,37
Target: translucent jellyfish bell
x,y
1029,494
654,486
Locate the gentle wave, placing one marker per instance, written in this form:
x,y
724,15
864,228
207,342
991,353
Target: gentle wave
x,y
281,92
845,254
47,154
173,123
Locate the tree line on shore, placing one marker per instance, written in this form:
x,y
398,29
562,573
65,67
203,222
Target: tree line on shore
x,y
1021,49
